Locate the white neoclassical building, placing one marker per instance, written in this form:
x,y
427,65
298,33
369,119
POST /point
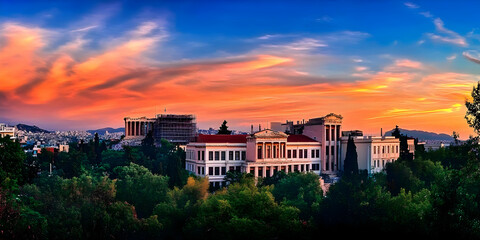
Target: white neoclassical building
x,y
315,145
373,152
263,154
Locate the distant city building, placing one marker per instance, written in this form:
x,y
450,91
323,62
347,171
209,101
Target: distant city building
x,y
138,127
5,130
352,133
177,129
434,145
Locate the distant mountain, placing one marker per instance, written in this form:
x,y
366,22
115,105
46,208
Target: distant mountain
x,y
102,131
423,135
33,129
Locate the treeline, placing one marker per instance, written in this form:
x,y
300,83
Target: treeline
x,y
144,193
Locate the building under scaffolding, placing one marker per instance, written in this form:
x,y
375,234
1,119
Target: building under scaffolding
x,y
177,129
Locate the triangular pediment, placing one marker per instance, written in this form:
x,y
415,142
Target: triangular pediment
x,y
267,133
333,116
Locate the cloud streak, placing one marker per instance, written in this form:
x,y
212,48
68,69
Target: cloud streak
x,y
71,86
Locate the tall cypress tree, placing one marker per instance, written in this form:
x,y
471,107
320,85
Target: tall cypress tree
x,y
224,129
351,159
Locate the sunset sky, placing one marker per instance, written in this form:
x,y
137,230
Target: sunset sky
x,y
81,65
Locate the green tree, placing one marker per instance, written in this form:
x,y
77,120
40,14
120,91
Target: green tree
x,y
148,146
473,109
12,158
244,211
300,190
181,205
139,187
351,159
224,129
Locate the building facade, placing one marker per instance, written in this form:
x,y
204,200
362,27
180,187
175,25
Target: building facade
x,y
263,154
177,129
5,130
373,152
138,127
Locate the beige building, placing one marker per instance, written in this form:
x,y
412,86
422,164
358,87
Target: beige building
x,y
373,152
6,130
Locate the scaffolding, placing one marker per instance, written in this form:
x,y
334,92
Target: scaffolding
x,y
177,129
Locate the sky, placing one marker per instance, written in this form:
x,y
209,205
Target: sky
x,y
77,65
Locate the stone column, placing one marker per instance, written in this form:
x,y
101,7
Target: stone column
x,y
256,172
129,128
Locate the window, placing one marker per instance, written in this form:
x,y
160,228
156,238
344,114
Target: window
x,y
300,153
318,153
203,170
333,150
210,155
203,155
274,151
224,169
230,155
327,136
313,153
315,167
217,171
199,155
259,152
244,155
223,155
294,153
397,148
199,170
333,134
237,155
327,150
374,150
217,155
268,152
305,153
210,170
289,154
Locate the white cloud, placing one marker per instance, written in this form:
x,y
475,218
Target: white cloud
x,y
411,5
452,57
472,55
84,29
446,35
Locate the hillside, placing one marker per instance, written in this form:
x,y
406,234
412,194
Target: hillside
x,y
33,128
423,135
102,131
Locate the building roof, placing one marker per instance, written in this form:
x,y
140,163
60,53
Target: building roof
x,y
299,138
202,138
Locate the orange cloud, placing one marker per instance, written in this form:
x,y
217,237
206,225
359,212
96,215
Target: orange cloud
x,y
61,90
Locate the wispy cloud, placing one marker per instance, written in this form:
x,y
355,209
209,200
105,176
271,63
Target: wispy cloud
x,y
84,28
452,57
446,35
411,5
472,55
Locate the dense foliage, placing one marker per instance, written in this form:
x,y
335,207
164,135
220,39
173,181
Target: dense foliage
x,y
95,193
